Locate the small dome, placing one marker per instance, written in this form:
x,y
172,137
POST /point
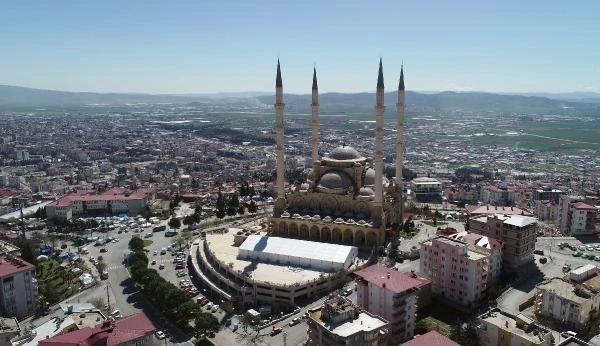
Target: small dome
x,y
327,219
304,186
335,180
366,192
369,177
344,153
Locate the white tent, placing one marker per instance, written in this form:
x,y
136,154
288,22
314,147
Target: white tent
x,y
301,253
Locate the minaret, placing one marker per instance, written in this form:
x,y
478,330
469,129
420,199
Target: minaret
x,y
279,106
378,158
400,129
400,145
314,124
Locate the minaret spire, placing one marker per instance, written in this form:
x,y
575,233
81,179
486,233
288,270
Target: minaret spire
x,y
380,76
278,83
314,123
279,106
400,108
378,216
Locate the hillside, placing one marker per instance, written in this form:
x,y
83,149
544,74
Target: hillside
x,y
445,102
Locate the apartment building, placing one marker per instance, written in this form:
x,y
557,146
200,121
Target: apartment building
x,y
500,328
457,273
517,233
571,303
18,294
391,295
339,322
486,245
497,195
575,217
426,189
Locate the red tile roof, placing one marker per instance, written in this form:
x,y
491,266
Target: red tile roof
x,y
396,282
10,265
581,205
432,338
108,195
122,331
494,209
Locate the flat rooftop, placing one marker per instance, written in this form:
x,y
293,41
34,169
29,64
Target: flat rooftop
x,y
563,289
507,322
363,322
221,245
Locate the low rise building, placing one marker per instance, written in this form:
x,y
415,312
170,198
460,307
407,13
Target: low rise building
x,y
571,303
500,328
339,322
517,233
426,189
18,287
457,273
135,330
432,338
9,328
91,202
391,295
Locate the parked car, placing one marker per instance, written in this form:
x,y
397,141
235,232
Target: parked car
x,y
538,252
294,321
543,260
153,261
103,250
275,331
161,266
160,335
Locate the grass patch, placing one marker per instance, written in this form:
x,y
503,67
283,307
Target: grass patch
x,y
438,317
53,281
147,242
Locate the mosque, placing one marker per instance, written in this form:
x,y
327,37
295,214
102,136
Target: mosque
x,y
346,200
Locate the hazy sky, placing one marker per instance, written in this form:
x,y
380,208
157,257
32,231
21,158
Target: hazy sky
x,y
218,46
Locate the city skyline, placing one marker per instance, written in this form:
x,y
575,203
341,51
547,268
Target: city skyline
x,y
209,48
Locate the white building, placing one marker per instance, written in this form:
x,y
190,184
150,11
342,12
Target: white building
x,y
567,302
574,217
298,253
18,288
339,322
22,155
500,328
426,189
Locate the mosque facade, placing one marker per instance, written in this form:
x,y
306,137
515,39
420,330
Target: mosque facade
x,y
347,199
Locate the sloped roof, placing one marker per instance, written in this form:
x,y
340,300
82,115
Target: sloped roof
x,y
122,331
432,338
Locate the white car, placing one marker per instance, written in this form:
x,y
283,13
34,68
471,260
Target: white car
x,y
160,335
215,308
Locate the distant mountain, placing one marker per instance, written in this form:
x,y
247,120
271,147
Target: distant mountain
x,y
12,96
447,101
575,96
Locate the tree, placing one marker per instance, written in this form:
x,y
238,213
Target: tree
x,y
136,244
26,250
205,324
241,210
252,207
175,222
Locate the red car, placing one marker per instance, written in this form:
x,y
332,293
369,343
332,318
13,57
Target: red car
x,y
180,266
275,331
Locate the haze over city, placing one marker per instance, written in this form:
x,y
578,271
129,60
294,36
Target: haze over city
x,y
207,47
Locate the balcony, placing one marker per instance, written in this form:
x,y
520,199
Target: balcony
x,y
399,304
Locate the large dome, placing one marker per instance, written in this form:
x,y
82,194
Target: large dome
x,y
344,153
335,180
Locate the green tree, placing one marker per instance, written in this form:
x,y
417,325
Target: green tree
x,y
136,244
26,249
252,207
205,324
175,222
